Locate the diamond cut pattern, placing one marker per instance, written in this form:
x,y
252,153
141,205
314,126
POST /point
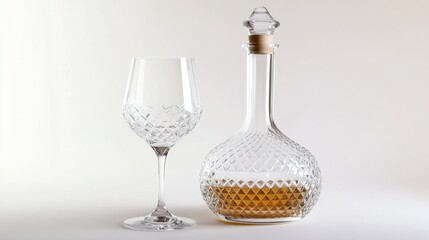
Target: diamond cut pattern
x,y
161,125
260,174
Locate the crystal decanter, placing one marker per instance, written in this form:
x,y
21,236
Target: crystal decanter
x,y
260,175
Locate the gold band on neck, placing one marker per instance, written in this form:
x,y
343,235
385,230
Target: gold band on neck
x,y
261,44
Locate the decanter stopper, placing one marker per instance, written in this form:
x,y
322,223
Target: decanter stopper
x,y
261,22
261,27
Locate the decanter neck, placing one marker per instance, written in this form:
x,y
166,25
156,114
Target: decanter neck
x,y
260,79
260,69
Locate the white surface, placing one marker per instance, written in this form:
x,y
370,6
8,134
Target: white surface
x,y
352,83
341,214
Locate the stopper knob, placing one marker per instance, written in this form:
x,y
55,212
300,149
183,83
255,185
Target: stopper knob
x,y
261,22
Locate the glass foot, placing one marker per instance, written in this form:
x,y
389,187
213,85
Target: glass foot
x,y
159,224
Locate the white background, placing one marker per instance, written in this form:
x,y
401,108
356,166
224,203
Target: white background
x,y
352,84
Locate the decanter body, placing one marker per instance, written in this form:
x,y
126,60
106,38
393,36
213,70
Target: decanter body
x,y
260,175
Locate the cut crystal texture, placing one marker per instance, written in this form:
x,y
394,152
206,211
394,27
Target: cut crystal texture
x,y
260,175
161,125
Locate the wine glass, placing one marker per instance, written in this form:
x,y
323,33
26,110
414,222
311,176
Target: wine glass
x,y
161,105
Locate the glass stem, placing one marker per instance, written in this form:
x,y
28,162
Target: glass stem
x,y
161,208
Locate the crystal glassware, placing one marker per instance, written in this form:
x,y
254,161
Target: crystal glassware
x,y
161,106
260,175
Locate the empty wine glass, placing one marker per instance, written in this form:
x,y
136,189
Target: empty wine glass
x,y
161,105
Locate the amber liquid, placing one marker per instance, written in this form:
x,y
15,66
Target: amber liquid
x,y
259,202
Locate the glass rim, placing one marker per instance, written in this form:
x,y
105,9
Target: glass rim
x,y
163,58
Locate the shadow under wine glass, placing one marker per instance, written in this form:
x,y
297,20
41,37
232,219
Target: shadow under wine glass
x,y
161,106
